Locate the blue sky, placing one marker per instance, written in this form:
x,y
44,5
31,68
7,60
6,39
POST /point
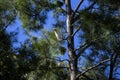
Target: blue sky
x,y
16,27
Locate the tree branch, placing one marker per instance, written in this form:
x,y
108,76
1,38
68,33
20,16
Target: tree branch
x,y
84,75
10,22
112,64
62,9
77,7
83,47
76,31
87,77
91,6
92,67
88,8
87,44
55,67
59,59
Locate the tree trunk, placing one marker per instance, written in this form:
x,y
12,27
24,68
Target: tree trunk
x,y
71,53
112,65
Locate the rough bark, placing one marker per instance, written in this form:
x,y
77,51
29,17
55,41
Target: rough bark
x,y
71,53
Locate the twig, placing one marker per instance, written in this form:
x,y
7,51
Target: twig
x,y
77,7
87,77
62,9
10,22
92,67
91,6
82,48
76,31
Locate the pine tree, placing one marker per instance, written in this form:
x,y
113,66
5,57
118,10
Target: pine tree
x,y
95,26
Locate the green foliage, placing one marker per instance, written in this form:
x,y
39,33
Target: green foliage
x,y
62,50
58,3
6,5
32,13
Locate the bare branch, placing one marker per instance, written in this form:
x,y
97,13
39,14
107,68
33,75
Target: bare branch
x,y
88,8
87,44
91,6
84,75
82,48
92,67
76,31
63,9
10,22
77,7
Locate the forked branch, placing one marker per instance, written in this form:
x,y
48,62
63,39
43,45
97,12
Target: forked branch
x,y
86,9
76,31
77,7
